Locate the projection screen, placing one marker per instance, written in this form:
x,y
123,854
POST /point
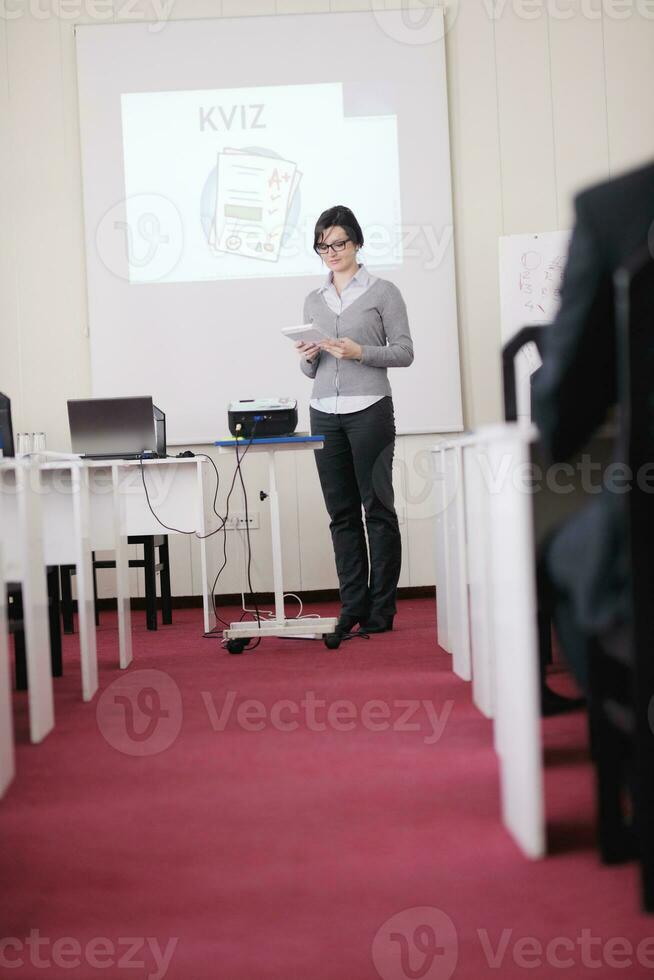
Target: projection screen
x,y
209,148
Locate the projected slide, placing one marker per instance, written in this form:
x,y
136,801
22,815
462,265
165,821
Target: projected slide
x,y
233,180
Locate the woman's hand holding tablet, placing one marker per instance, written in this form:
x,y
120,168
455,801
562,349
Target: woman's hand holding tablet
x,y
308,339
309,351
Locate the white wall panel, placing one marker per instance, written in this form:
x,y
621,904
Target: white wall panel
x,y
246,8
474,133
302,6
42,244
629,47
418,491
192,9
578,84
528,175
10,358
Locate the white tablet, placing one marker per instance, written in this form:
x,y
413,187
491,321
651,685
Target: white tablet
x,y
307,332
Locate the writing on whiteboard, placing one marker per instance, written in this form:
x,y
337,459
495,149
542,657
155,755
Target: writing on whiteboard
x,y
540,284
531,274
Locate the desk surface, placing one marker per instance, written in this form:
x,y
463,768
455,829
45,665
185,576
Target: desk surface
x,y
65,462
165,461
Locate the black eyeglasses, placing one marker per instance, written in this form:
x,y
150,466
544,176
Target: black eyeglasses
x,y
323,247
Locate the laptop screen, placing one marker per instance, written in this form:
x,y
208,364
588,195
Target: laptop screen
x,y
112,426
6,431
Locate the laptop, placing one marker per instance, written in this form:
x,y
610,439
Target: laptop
x,y
114,428
160,429
6,431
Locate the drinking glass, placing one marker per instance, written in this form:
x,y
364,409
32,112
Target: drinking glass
x,y
23,443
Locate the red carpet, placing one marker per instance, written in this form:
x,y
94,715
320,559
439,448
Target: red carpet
x,y
296,837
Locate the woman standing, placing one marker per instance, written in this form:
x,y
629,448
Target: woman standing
x,y
351,405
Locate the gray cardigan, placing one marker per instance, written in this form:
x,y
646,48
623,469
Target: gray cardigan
x,y
377,321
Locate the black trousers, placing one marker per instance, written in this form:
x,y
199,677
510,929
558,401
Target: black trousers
x,y
556,606
355,469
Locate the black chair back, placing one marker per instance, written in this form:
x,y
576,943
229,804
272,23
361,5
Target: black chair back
x,y
634,285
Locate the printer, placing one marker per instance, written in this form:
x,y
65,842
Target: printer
x,y
272,417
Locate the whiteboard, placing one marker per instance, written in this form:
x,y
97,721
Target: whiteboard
x,y
531,274
162,114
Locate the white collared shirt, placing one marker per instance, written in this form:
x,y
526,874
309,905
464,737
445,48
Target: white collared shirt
x,y
356,287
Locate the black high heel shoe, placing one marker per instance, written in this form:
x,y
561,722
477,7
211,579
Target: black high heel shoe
x,y
346,624
377,624
344,631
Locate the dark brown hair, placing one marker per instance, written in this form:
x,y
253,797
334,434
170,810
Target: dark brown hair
x,y
339,216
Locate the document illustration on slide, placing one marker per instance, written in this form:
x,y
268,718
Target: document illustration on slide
x,y
250,169
252,203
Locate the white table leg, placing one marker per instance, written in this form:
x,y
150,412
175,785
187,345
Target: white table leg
x,y
276,538
478,552
441,561
457,586
517,716
208,546
462,659
121,553
83,561
7,760
35,602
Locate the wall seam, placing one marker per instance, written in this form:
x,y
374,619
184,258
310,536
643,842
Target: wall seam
x,y
16,277
499,128
554,157
606,95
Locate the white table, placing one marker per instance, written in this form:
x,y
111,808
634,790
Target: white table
x,y
56,513
512,571
503,523
240,633
180,491
453,528
21,540
67,541
440,547
62,488
479,574
108,532
489,594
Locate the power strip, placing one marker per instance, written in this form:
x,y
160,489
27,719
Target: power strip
x,y
237,522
